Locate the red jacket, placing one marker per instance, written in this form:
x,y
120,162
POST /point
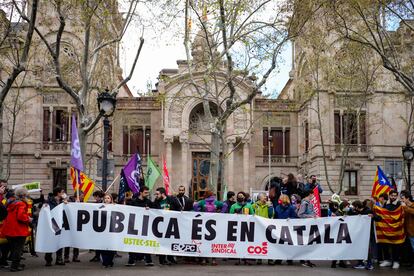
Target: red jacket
x,y
17,220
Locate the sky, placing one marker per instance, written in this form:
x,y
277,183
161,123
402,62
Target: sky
x,y
163,48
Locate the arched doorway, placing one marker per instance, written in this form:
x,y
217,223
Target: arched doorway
x,y
200,127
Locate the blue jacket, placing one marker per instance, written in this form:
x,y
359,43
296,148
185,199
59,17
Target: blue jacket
x,y
284,212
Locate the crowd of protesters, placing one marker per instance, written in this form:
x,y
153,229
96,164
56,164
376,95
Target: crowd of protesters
x,y
289,198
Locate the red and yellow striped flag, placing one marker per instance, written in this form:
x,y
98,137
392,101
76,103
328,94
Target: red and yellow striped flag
x,y
390,229
79,179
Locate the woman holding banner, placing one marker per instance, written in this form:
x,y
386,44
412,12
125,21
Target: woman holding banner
x,y
107,255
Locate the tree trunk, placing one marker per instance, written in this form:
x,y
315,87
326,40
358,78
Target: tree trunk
x,y
83,142
214,161
322,142
1,143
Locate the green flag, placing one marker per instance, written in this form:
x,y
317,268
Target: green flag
x,y
225,192
152,173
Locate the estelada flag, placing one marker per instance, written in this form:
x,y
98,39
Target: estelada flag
x,y
79,179
166,177
381,184
390,229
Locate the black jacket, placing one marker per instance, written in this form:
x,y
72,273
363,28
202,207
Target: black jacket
x,y
391,206
177,203
136,201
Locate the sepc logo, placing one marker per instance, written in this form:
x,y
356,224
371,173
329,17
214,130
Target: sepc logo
x,y
258,249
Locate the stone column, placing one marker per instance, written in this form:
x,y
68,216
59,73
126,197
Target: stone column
x,y
246,162
184,161
168,156
230,164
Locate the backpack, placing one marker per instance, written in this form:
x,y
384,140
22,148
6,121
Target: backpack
x,y
210,207
3,212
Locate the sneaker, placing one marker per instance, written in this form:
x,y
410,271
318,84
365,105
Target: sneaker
x,y
369,267
15,269
149,264
306,264
386,264
359,266
396,265
130,263
342,264
94,260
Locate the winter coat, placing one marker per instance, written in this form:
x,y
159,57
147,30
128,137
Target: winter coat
x,y
17,221
306,209
238,208
409,220
263,210
226,206
284,212
209,205
145,203
177,203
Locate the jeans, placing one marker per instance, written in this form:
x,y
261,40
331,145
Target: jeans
x,y
16,249
107,257
59,255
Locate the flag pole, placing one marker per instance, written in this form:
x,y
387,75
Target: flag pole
x,y
112,183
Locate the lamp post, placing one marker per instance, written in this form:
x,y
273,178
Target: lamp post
x,y
270,157
408,154
106,106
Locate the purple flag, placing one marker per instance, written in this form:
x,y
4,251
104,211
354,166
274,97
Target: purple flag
x,y
132,172
75,154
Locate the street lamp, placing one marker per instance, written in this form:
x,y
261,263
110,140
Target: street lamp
x,y
408,154
270,157
106,106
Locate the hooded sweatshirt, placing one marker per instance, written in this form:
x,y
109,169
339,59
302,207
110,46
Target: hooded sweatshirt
x,y
239,208
209,205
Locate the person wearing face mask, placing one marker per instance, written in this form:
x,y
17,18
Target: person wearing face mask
x,y
15,227
58,196
241,206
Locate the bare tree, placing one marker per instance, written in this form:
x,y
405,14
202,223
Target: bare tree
x,y
346,69
14,108
237,43
14,53
102,28
372,23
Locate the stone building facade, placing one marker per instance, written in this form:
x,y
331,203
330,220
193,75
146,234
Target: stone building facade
x,y
268,137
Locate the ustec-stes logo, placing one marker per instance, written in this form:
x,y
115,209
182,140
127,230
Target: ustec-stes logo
x,y
258,249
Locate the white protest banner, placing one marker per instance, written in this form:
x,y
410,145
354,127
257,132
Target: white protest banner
x,y
31,187
134,229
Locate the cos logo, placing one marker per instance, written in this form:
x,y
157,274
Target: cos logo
x,y
258,250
